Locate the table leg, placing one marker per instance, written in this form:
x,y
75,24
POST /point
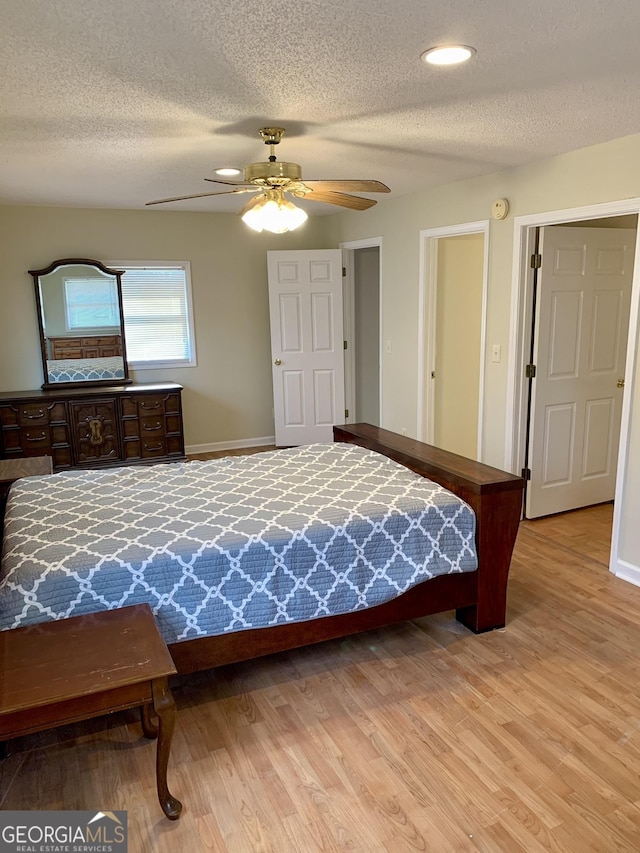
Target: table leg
x,y
165,708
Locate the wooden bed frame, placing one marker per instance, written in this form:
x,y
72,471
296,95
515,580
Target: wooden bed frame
x,y
479,598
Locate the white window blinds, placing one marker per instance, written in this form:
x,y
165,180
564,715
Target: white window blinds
x,y
158,327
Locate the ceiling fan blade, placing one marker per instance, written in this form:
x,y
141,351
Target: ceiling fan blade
x,y
353,202
201,195
348,186
228,183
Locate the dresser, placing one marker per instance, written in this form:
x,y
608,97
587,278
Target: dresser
x,y
94,427
93,346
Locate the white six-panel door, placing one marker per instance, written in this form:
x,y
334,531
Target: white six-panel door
x,y
305,306
582,319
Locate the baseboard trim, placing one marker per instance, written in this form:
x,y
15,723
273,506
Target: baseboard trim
x,y
238,444
626,572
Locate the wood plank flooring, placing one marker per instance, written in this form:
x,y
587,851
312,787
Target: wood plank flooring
x,y
419,737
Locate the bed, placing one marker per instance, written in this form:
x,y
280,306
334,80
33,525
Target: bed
x,y
85,369
251,555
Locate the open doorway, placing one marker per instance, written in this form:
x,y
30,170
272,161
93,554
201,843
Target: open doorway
x,y
452,337
526,313
362,292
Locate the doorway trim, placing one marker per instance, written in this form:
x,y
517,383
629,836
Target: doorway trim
x,y
520,340
428,279
349,309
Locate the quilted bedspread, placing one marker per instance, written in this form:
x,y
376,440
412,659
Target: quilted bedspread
x,y
230,544
74,369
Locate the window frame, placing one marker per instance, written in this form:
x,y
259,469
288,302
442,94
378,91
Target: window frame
x,y
114,304
123,266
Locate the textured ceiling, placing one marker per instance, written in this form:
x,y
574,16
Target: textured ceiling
x,y
112,104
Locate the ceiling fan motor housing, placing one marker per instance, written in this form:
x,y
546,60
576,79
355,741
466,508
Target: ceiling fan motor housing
x,y
275,174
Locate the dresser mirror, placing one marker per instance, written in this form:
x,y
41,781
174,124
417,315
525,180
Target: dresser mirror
x,y
81,323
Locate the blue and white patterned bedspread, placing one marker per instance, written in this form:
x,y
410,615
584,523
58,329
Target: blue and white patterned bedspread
x,y
74,369
229,544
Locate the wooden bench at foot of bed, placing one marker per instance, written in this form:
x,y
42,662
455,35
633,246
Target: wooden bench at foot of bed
x,y
479,598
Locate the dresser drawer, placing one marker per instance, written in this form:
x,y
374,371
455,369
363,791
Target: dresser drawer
x,y
149,404
152,425
31,414
153,447
68,352
100,341
35,438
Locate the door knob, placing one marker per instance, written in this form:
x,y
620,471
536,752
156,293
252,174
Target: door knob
x,y
277,362
620,383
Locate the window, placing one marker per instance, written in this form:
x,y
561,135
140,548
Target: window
x,y
158,322
91,303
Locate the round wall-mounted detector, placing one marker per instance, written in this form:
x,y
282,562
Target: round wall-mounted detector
x,y
500,208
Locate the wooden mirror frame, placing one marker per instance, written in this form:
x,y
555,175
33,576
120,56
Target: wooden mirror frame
x,y
87,262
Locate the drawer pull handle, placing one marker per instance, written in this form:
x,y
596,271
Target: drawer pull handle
x,y
33,417
143,405
36,438
150,428
157,446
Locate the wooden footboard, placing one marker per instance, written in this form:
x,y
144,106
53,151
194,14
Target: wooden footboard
x,y
494,495
479,598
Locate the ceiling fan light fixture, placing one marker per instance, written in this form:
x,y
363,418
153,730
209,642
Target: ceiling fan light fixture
x,y
275,214
448,54
227,171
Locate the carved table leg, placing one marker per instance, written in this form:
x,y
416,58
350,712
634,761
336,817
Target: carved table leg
x,y
165,708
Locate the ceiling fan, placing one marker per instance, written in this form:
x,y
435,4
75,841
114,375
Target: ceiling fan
x,y
273,178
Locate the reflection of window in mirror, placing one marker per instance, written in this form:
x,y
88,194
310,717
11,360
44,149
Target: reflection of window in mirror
x,y
91,303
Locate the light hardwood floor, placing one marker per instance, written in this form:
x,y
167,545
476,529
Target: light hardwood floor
x,y
420,736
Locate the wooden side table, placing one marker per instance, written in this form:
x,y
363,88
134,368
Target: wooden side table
x,y
61,672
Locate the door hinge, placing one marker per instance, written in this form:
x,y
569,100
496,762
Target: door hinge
x,y
536,261
346,413
526,473
345,345
344,272
530,371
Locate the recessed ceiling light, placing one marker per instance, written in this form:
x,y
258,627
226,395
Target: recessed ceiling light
x,y
447,54
227,171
